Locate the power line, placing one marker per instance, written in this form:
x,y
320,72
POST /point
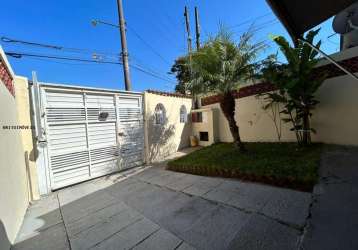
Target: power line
x,y
251,20
148,45
57,47
19,55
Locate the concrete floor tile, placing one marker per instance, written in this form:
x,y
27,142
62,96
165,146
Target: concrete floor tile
x,y
266,234
184,216
289,206
182,183
41,215
185,246
216,229
202,186
53,238
102,231
130,236
86,205
150,199
161,239
90,220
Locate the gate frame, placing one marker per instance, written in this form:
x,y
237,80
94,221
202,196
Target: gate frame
x,y
37,95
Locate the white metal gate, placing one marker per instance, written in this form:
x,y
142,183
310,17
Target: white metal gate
x,y
89,133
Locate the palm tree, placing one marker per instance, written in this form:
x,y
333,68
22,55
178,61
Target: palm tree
x,y
220,67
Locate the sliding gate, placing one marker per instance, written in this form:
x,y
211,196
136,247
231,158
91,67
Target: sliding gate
x,y
89,133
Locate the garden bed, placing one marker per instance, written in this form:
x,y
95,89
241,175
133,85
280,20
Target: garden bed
x,y
278,164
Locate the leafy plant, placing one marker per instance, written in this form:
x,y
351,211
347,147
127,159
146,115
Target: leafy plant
x,y
181,70
296,84
221,66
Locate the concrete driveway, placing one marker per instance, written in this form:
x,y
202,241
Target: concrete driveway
x,y
152,208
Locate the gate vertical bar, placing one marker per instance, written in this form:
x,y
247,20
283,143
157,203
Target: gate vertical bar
x,y
87,133
116,106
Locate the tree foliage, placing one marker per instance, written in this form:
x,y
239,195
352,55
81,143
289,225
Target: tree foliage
x,y
182,73
296,84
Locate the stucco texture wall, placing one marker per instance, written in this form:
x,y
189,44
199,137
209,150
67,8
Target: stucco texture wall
x,y
167,138
335,117
255,124
13,179
23,104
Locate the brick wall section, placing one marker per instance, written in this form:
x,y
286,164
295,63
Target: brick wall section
x,y
168,94
254,89
329,70
5,77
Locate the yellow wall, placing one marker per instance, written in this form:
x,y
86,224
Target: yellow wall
x,y
13,180
335,118
24,114
163,140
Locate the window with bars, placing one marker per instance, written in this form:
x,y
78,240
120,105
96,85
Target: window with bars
x,y
183,114
159,114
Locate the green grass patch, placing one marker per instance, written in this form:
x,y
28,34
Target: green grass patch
x,y
279,164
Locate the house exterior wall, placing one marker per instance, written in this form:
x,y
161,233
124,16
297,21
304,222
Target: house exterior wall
x,y
163,140
13,179
23,104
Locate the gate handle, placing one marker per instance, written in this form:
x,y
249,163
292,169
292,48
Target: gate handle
x,y
121,134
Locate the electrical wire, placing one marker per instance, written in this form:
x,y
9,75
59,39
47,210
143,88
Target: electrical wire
x,y
251,20
148,45
57,47
19,55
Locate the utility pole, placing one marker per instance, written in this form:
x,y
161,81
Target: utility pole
x,y
197,28
186,14
122,27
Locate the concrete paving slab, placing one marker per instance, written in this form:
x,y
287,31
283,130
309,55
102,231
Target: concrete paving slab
x,y
129,236
84,223
202,186
216,229
161,239
160,178
150,199
126,188
41,215
266,234
184,216
219,195
182,183
185,246
334,214
53,238
86,205
247,196
103,231
289,206
148,173
168,177
165,209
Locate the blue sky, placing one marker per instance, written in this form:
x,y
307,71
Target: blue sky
x,y
160,23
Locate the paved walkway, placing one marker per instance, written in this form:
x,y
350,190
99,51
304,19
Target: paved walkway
x,y
154,208
333,223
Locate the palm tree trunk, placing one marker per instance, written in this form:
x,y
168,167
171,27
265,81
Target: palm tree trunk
x,y
227,105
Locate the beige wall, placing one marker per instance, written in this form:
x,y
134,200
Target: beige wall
x,y
255,124
335,118
23,104
13,180
166,139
